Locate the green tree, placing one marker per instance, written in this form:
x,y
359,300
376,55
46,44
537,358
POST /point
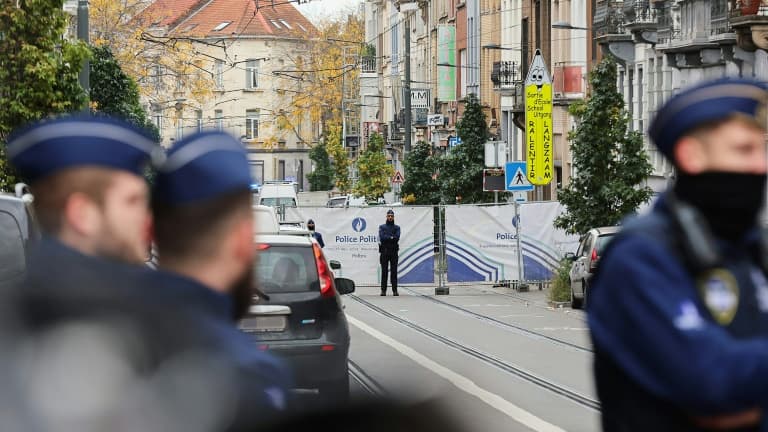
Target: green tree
x,y
321,178
38,69
608,158
374,171
462,171
421,168
114,93
340,158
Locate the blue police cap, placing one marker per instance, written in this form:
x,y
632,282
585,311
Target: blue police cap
x,y
390,212
705,102
203,166
49,146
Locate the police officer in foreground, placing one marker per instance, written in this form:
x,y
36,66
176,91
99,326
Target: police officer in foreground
x,y
79,313
389,239
678,310
205,238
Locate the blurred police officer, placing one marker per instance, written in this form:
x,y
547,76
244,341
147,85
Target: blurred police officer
x,y
389,239
205,238
91,203
316,235
679,307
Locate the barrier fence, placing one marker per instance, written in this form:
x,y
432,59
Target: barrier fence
x,y
450,244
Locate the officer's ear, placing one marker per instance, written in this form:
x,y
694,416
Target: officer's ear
x,y
690,155
81,215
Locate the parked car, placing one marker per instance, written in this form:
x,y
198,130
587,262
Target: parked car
x,y
591,247
302,320
265,220
17,233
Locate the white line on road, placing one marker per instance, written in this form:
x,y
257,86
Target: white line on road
x,y
463,383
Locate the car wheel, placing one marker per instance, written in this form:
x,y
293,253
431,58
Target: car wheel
x,y
575,303
336,392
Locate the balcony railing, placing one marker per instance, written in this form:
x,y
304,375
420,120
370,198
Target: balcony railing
x,y
609,17
368,65
640,13
750,7
505,75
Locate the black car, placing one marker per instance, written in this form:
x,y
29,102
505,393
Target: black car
x,y
17,232
302,320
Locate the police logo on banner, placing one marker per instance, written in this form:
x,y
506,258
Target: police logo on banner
x,y
359,224
720,292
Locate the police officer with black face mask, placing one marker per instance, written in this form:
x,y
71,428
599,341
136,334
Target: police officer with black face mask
x,y
678,310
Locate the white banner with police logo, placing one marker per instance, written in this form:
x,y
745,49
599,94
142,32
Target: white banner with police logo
x,y
351,237
482,244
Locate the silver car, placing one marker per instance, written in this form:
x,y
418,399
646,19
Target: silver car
x,y
591,247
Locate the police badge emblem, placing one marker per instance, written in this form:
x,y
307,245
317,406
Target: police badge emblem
x,y
720,292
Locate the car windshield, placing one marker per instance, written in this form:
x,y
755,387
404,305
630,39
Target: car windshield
x,y
277,202
602,242
337,202
286,269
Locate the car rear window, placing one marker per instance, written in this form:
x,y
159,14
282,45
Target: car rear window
x,y
12,258
286,269
277,202
602,242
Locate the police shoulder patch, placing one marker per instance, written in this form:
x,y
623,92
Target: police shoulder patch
x,y
720,292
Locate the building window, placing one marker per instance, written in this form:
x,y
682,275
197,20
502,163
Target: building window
x,y
199,119
252,123
179,82
288,26
222,25
157,77
219,74
179,129
257,171
218,116
281,170
462,72
157,119
252,74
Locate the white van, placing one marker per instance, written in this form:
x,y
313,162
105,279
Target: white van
x,y
346,201
278,193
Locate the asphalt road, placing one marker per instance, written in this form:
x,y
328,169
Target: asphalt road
x,y
497,360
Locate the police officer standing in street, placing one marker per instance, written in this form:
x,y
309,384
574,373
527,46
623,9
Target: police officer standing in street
x,y
316,235
678,310
205,238
389,238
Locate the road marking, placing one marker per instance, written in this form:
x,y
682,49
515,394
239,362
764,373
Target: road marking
x,y
463,383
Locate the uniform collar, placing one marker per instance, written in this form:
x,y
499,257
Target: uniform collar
x,y
188,292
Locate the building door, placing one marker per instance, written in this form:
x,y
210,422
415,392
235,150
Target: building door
x,y
281,170
300,175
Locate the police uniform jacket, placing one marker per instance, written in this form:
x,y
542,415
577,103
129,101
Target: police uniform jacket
x,y
164,325
389,236
672,345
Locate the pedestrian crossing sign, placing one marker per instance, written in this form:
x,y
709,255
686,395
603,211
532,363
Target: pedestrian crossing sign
x,y
516,178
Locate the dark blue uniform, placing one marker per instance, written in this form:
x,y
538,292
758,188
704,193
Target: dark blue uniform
x,y
389,238
319,238
166,325
671,343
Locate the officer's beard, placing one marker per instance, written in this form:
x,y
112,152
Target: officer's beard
x,y
730,202
390,222
242,294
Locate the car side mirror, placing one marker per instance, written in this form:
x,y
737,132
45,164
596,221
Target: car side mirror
x,y
335,265
345,286
570,256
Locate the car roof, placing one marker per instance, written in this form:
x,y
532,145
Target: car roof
x,y
288,240
607,230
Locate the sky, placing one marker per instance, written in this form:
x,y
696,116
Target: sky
x,y
317,9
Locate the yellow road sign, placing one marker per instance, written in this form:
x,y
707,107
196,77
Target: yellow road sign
x,y
538,123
